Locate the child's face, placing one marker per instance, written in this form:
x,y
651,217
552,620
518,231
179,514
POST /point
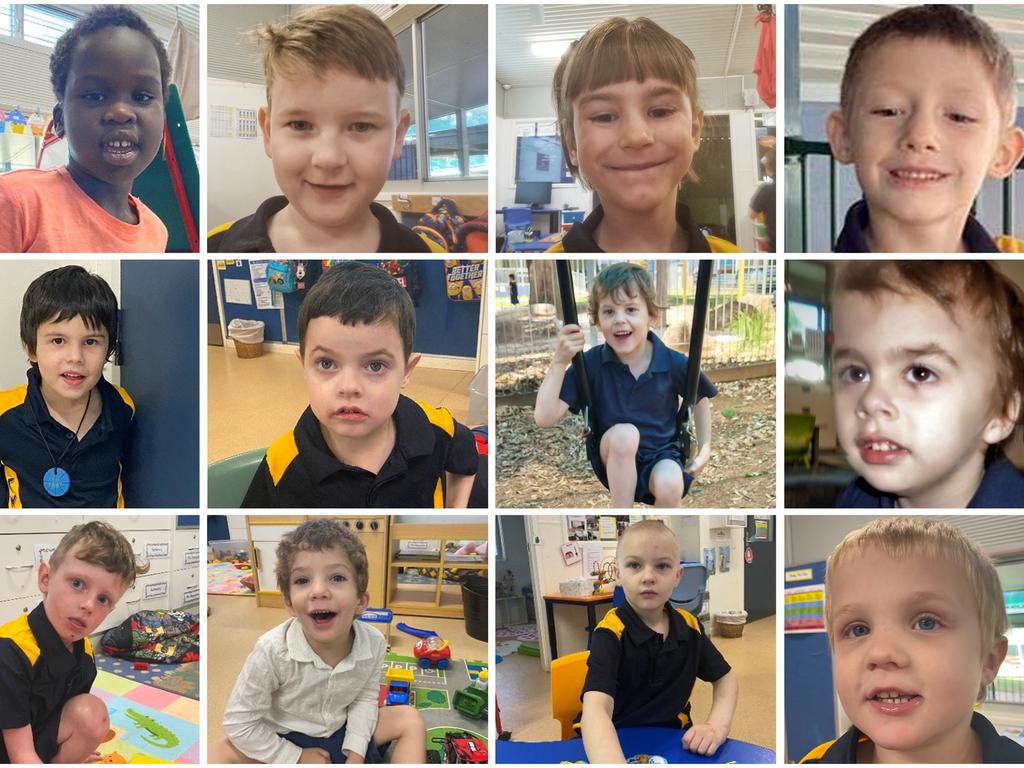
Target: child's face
x,y
323,596
624,321
924,129
78,596
354,376
915,395
113,107
648,569
70,356
634,142
332,138
908,628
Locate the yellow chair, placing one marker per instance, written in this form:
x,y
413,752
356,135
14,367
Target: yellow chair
x,y
568,674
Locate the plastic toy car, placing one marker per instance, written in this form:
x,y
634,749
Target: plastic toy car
x,y
432,652
471,702
462,748
398,693
647,759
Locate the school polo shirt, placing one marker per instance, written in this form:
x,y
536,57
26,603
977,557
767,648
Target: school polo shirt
x,y
994,748
94,462
650,402
1002,487
853,237
651,677
38,674
251,234
299,469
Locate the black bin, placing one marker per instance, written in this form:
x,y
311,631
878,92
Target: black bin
x,y
474,605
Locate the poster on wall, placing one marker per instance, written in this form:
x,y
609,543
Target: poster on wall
x,y
723,558
709,560
464,279
577,527
805,608
265,298
570,553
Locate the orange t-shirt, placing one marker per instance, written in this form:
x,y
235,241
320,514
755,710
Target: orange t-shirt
x,y
45,211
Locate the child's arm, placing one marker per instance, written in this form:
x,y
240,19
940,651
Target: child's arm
x,y
362,712
461,466
19,745
244,722
550,408
261,493
458,490
600,741
705,739
702,422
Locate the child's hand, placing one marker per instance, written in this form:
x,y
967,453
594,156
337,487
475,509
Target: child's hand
x,y
704,739
352,757
314,755
700,460
568,342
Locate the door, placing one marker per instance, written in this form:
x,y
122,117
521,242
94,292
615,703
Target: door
x,y
759,578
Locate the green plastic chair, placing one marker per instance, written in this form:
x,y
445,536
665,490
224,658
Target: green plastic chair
x,y
228,479
798,438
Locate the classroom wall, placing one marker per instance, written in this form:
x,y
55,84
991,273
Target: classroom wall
x,y
517,555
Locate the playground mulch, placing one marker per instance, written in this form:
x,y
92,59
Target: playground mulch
x,y
548,467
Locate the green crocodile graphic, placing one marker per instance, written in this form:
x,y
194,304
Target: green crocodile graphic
x,y
162,737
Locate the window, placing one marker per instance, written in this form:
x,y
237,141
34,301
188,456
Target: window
x,y
404,168
44,24
7,20
805,341
539,153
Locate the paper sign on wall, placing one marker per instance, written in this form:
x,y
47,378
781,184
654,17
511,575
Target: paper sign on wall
x,y
192,556
43,552
156,549
191,594
156,589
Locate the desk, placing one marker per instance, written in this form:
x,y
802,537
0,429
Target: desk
x,y
666,742
590,601
534,247
554,215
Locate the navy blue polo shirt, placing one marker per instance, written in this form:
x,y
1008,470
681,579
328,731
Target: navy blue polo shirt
x,y
95,463
1002,487
650,403
853,237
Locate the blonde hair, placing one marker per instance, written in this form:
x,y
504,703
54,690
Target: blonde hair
x,y
615,51
348,37
903,537
656,527
101,544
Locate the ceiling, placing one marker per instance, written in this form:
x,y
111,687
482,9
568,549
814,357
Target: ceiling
x,y
723,38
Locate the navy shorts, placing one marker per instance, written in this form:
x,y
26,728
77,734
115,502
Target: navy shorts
x,y
643,469
332,744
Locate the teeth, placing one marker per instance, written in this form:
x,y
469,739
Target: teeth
x,y
884,446
892,697
120,144
918,175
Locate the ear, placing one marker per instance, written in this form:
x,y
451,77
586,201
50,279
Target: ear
x,y
263,118
404,118
58,119
29,353
839,136
291,609
697,126
363,604
298,356
409,366
1008,153
44,577
1001,427
993,660
679,574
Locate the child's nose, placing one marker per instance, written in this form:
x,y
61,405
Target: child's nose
x,y
920,133
119,111
348,382
876,401
885,650
329,152
634,131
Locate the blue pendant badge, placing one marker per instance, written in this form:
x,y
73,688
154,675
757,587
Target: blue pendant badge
x,y
56,481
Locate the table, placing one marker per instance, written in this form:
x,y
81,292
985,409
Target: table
x,y
590,601
666,742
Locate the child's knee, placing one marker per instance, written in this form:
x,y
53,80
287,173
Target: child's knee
x,y
623,440
667,482
409,720
87,715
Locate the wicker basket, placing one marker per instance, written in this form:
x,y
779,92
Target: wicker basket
x,y
730,623
246,350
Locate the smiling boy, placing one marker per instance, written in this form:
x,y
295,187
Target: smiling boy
x,y
929,378
916,622
109,74
64,435
636,382
308,691
361,443
626,98
927,107
332,126
646,656
46,659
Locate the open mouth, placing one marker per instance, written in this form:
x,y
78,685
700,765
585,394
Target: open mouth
x,y
622,334
77,624
916,176
322,619
881,450
350,413
894,702
120,151
72,379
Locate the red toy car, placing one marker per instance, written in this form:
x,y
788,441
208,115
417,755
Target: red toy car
x,y
432,652
461,748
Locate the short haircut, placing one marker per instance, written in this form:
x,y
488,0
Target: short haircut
x,y
63,294
615,51
348,37
352,293
947,23
622,280
102,17
902,538
655,527
317,536
975,286
99,543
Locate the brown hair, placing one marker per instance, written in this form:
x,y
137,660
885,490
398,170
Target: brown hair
x,y
975,286
901,538
615,51
348,37
948,23
620,279
317,536
101,544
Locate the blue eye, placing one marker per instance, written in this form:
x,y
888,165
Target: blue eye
x,y
377,366
339,578
363,127
324,364
77,583
927,623
858,630
300,581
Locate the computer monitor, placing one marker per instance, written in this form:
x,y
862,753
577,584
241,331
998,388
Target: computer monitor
x,y
536,194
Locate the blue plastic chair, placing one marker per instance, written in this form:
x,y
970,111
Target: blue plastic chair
x,y
688,594
515,220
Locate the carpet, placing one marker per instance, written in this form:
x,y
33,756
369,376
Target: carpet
x,y
225,579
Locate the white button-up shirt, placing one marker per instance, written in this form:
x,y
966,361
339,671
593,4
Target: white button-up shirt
x,y
285,686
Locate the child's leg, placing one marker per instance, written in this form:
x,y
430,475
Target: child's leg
x,y
223,751
666,483
404,726
84,724
618,454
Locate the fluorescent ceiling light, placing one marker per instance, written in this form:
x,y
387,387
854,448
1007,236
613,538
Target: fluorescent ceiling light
x,y
550,49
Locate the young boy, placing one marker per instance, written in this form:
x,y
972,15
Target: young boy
x,y
929,377
332,126
64,436
645,655
927,107
635,382
308,691
916,622
46,659
361,443
109,75
626,97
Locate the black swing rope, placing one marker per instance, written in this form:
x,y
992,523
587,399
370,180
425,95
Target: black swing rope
x,y
579,368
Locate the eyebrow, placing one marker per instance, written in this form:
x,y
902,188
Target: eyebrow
x,y
94,335
652,93
329,567
930,349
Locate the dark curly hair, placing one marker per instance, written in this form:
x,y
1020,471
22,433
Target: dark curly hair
x,y
103,17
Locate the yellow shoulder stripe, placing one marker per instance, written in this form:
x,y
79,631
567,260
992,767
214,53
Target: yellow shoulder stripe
x,y
556,248
1009,244
818,752
88,647
13,491
221,228
690,619
718,245
439,417
439,495
280,455
20,632
611,621
433,245
12,398
126,397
